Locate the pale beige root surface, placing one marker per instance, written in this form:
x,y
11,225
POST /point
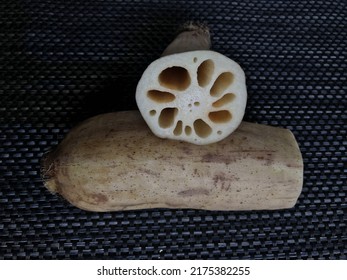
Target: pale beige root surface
x,y
192,36
113,162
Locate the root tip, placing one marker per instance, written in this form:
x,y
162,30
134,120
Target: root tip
x,y
48,172
193,26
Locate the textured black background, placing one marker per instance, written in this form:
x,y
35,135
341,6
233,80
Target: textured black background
x,y
63,61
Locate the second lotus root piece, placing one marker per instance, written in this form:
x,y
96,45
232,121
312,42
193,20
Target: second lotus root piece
x,y
192,94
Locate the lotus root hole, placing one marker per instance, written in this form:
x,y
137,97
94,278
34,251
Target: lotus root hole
x,y
178,129
202,129
176,78
188,130
226,99
167,117
152,112
220,116
205,72
160,96
223,81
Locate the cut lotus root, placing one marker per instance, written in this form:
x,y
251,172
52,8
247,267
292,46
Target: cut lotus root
x,y
193,96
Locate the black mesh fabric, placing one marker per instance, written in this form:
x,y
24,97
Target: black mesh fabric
x,y
64,61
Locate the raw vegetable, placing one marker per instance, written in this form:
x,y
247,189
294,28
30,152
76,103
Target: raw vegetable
x,y
192,94
114,162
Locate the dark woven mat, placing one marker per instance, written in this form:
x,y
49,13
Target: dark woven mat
x,y
62,62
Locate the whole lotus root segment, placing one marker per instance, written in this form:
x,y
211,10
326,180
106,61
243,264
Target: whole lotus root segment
x,y
192,94
196,96
99,168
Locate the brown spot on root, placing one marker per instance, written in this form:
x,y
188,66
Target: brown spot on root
x,y
194,192
294,165
213,158
131,157
149,172
110,132
100,198
222,180
260,157
187,150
